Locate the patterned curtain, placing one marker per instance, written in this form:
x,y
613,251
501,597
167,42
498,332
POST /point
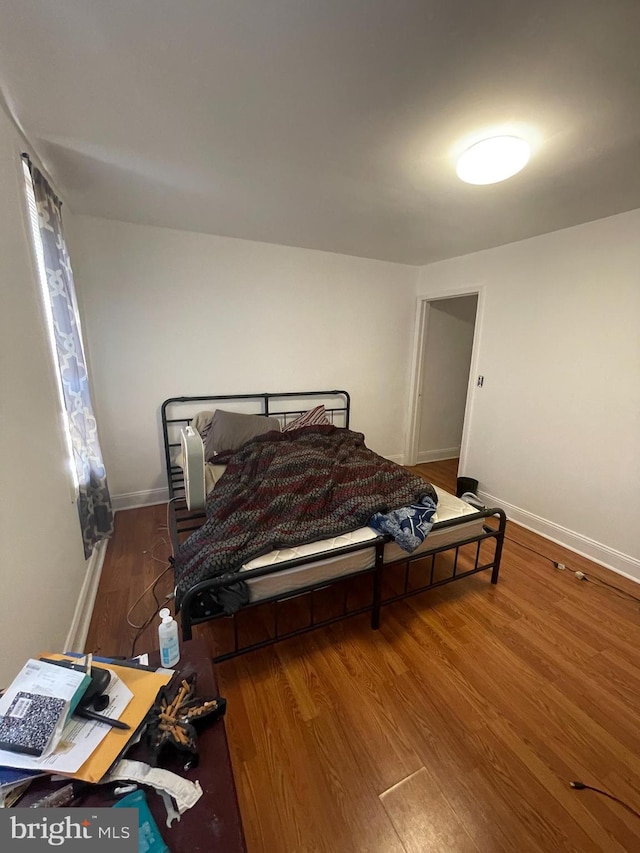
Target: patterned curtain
x,y
94,503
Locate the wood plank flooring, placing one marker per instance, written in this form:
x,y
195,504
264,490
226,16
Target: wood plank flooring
x,y
455,728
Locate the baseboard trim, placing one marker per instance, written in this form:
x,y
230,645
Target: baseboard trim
x,y
77,636
131,500
438,455
610,558
398,458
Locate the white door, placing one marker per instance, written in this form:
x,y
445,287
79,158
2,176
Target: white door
x,y
445,347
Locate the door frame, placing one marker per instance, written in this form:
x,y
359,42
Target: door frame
x,y
423,307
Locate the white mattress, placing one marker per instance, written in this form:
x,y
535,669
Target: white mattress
x,y
331,567
288,580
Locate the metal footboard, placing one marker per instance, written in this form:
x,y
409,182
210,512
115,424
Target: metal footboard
x,y
376,598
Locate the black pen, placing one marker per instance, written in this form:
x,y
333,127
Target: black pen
x,y
88,714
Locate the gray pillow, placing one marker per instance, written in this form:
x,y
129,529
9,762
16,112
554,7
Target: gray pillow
x,y
230,430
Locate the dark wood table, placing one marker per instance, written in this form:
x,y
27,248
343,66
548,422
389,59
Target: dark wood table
x,y
214,823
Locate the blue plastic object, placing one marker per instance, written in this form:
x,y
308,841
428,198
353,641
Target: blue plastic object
x,y
149,838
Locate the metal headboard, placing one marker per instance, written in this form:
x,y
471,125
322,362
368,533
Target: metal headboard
x,y
178,412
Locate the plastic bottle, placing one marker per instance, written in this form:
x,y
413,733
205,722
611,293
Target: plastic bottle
x,y
168,637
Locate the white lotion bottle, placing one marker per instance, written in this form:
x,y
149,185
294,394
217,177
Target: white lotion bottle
x,y
168,637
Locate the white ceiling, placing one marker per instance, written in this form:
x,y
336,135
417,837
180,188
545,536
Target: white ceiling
x,y
329,124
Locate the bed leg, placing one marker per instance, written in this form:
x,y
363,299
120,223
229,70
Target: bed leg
x,y
187,633
377,587
499,543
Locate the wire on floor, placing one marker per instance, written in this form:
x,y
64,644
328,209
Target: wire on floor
x,y
141,628
533,550
580,786
151,587
622,593
151,551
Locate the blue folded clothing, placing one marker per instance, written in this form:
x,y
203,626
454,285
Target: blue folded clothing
x,y
408,525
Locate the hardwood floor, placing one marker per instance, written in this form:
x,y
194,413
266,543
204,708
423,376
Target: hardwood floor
x,y
442,474
455,728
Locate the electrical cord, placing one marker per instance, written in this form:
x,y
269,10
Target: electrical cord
x,y
136,637
140,628
622,593
533,550
152,586
580,786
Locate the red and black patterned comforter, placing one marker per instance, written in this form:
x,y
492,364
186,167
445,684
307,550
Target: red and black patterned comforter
x,y
286,489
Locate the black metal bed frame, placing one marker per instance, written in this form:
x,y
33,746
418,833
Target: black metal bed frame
x,y
183,521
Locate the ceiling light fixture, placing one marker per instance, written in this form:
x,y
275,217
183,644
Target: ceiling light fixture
x,y
493,160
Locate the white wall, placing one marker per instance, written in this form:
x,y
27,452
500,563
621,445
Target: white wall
x,y
445,372
555,431
172,313
42,563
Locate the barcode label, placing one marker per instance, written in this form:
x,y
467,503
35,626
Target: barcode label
x,y
20,707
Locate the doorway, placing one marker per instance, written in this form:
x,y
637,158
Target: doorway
x,y
444,363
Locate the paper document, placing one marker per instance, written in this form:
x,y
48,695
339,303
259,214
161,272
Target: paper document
x,y
144,686
79,739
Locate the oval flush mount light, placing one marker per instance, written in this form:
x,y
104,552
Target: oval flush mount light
x,y
493,160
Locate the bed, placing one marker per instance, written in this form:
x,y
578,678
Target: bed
x,y
353,571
